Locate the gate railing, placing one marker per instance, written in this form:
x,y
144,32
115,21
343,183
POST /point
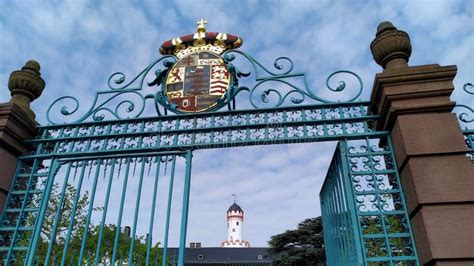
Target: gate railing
x,y
339,221
308,123
365,218
67,210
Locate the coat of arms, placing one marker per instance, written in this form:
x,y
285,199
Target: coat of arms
x,y
200,78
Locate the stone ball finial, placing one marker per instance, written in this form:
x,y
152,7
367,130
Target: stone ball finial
x,y
383,26
32,65
26,85
391,47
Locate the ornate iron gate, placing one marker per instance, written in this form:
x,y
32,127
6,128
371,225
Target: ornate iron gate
x,y
48,218
55,214
363,207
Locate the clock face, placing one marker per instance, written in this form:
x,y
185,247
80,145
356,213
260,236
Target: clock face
x,y
197,81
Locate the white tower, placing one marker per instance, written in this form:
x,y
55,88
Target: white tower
x,y
235,219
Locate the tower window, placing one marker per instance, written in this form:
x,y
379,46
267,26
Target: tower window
x,y
233,229
237,223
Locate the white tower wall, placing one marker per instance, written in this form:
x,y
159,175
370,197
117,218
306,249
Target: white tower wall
x,y
234,228
235,222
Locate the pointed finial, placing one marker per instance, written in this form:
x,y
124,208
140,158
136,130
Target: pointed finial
x,y
235,197
201,27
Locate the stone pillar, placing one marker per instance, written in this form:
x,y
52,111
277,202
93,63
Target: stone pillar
x,y
17,122
437,177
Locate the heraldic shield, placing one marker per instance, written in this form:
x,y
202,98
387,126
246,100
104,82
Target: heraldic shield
x,y
197,81
200,78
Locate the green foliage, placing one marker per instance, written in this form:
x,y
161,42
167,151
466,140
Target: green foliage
x,y
302,246
377,246
76,234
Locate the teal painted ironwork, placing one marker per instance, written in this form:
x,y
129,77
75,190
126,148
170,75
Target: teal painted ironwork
x,y
42,211
207,130
339,219
469,137
152,214
46,232
296,94
73,212
185,208
168,212
14,200
55,214
363,207
465,116
137,208
89,213
466,113
124,98
57,217
104,213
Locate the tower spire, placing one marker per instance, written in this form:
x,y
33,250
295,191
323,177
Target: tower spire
x,y
235,197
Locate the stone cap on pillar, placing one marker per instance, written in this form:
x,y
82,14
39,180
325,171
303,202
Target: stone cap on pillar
x,y
25,86
15,128
412,90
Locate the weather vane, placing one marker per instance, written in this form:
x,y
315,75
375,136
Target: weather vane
x,y
235,197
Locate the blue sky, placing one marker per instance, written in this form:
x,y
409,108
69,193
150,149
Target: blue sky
x,y
79,44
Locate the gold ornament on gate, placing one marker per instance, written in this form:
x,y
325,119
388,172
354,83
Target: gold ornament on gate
x,y
200,78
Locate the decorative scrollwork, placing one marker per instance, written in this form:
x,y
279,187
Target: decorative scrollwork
x,y
284,91
276,87
467,115
468,87
125,95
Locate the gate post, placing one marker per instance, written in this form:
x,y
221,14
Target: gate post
x,y
429,146
17,121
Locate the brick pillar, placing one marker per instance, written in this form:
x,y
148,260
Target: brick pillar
x,y
437,177
17,122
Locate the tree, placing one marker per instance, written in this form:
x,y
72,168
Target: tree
x,y
302,246
62,223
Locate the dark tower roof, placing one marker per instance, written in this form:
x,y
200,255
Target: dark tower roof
x,y
235,207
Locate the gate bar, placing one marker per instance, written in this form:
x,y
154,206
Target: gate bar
x,y
168,211
121,155
73,212
137,208
220,113
104,212
23,205
350,200
178,149
184,216
122,201
58,216
44,205
89,212
152,215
